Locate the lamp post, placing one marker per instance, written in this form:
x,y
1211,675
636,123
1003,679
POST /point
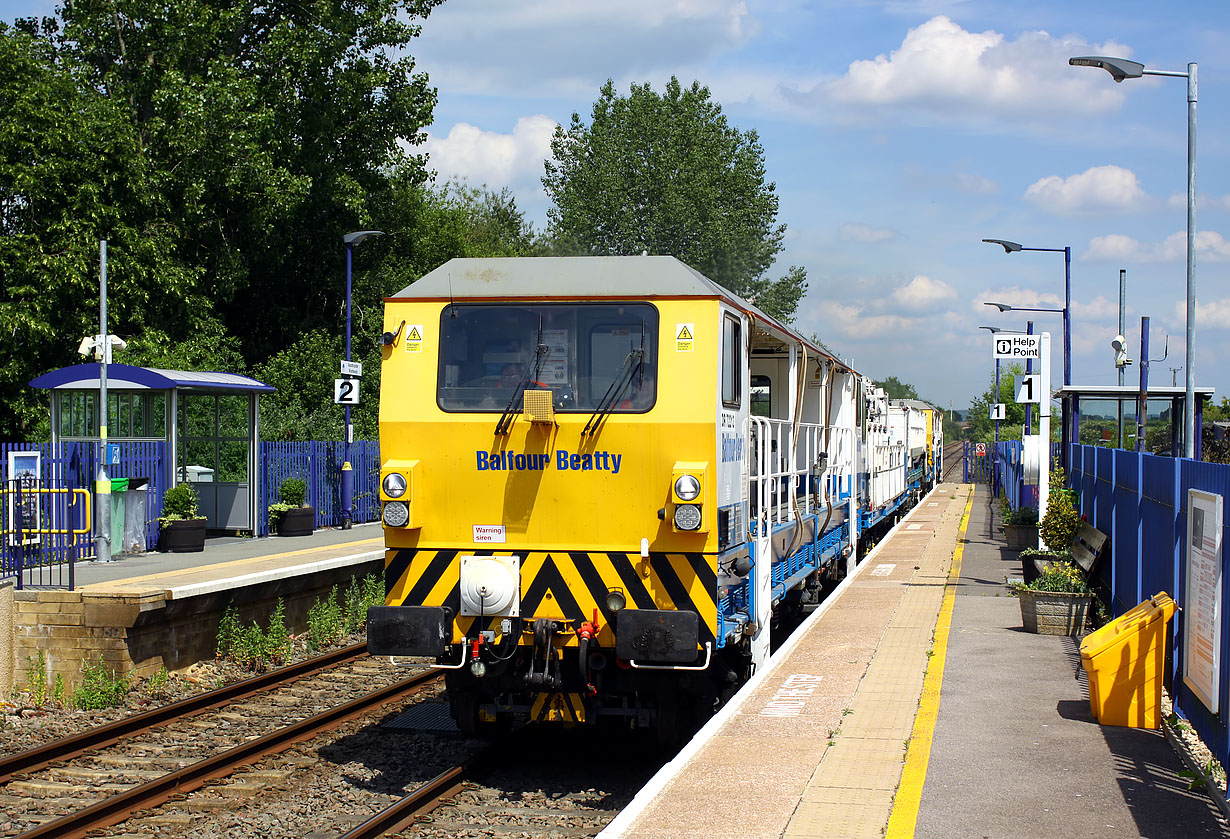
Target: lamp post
x,y
1120,69
995,454
1012,247
350,240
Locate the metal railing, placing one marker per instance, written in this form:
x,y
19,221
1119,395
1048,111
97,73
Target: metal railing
x,y
43,529
790,478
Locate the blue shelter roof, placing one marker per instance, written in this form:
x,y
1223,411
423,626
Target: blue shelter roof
x,y
127,377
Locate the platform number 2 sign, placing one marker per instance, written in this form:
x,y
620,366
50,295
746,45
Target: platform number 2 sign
x,y
346,391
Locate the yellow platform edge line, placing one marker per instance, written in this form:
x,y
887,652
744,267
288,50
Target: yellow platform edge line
x,y
173,572
903,818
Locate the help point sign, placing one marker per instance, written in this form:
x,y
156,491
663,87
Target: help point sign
x,y
1017,346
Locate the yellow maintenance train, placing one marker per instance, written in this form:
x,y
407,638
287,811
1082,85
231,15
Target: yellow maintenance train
x,y
604,479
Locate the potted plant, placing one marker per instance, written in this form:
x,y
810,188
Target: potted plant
x,y
181,527
1057,602
1062,519
1021,528
290,516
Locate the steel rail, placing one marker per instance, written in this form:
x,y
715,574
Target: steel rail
x,y
118,808
75,745
422,799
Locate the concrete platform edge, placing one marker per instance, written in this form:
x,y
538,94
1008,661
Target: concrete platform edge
x,y
617,827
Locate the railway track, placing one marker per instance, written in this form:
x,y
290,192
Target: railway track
x,y
532,783
100,777
953,456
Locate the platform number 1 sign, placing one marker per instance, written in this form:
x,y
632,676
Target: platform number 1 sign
x,y
1030,389
346,391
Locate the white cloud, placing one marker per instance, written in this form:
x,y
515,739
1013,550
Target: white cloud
x,y
1204,201
943,70
1212,315
975,184
853,323
923,291
1210,246
867,235
488,157
1098,308
1098,189
546,47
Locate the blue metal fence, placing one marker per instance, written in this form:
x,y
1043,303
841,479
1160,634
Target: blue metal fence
x,y
1140,501
319,465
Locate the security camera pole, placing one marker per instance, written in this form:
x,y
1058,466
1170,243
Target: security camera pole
x,y
102,486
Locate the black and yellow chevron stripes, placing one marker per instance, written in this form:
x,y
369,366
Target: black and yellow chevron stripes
x,y
563,585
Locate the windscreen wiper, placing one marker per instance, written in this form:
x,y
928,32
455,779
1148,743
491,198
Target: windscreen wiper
x,y
633,363
514,402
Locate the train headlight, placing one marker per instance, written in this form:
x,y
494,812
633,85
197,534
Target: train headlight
x,y
395,514
394,485
478,668
687,488
615,600
687,516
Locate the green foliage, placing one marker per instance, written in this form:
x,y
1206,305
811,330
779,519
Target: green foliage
x,y
1022,515
228,632
666,173
361,594
222,150
179,503
1059,577
292,491
158,683
58,691
897,389
251,647
36,679
101,687
1062,520
326,623
982,428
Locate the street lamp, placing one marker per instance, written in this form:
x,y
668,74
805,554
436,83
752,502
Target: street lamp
x,y
1012,247
1120,69
350,240
995,456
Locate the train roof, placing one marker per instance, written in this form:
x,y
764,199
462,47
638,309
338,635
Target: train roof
x,y
624,277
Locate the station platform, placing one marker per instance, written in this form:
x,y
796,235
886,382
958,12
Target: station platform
x,y
140,613
913,703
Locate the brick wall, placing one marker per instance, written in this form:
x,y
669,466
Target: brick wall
x,y
138,632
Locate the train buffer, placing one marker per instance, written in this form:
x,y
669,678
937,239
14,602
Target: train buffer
x,y
912,704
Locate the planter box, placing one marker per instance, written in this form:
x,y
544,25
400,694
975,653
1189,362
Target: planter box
x,y
185,536
300,521
1021,536
1054,612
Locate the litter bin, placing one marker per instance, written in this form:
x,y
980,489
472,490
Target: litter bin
x,y
1125,661
119,497
135,503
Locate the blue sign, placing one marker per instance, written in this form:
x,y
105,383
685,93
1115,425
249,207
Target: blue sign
x,y
113,454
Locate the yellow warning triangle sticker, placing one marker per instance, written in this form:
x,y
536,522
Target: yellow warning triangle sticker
x,y
414,335
684,334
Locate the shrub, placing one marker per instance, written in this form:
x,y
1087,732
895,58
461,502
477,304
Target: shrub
x,y
1059,577
325,622
100,687
277,637
1062,520
293,491
1022,515
179,503
228,632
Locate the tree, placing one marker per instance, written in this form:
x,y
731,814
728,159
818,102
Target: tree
x,y
665,173
897,389
982,427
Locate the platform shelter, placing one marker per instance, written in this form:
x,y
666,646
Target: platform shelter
x,y
1112,416
209,423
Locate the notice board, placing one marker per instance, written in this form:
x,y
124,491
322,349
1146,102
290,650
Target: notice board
x,y
1202,611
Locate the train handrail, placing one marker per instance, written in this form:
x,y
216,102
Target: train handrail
x,y
705,666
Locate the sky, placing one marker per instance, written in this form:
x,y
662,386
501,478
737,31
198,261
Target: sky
x,y
900,133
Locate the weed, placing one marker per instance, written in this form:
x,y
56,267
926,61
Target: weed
x,y
354,608
157,685
846,712
36,666
228,632
1211,771
277,636
1178,723
101,687
325,622
58,691
250,647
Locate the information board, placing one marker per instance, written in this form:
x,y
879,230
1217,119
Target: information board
x,y
1202,611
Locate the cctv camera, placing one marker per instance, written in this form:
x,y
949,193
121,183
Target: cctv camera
x,y
87,344
1118,343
